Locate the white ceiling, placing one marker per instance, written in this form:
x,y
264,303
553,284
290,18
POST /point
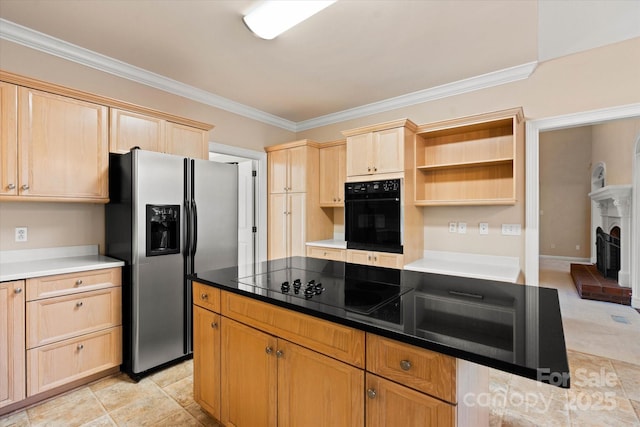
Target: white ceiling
x,y
353,54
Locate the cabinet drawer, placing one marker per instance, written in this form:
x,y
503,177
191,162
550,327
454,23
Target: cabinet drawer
x,y
56,364
54,319
206,297
415,367
326,253
338,341
63,284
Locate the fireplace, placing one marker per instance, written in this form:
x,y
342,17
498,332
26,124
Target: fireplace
x,y
608,252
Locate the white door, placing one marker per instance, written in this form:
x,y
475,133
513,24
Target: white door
x,y
245,213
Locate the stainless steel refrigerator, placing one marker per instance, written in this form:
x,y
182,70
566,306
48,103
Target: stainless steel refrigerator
x,y
168,216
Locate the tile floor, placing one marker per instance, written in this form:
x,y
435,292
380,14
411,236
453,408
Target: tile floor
x,y
604,357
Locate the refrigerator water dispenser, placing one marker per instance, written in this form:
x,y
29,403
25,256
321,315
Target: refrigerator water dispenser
x,y
163,229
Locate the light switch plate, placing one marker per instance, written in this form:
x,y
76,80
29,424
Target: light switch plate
x,y
462,228
511,229
453,227
483,228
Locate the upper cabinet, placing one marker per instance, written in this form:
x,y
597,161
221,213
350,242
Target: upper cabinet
x,y
61,153
289,167
131,129
333,173
377,150
469,161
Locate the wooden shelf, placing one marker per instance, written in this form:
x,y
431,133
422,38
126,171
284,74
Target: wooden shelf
x,y
468,161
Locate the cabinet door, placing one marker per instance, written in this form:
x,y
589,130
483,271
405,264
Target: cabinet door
x,y
8,139
278,171
297,169
296,218
249,383
359,155
278,226
390,404
316,390
12,343
206,360
383,259
332,175
135,130
388,149
63,147
186,141
359,257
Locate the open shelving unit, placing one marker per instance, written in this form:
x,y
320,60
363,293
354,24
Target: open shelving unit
x,y
468,161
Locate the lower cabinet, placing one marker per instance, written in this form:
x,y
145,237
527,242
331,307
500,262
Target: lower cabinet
x,y
206,359
333,254
12,342
378,259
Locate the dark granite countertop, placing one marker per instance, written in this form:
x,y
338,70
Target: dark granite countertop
x,y
510,327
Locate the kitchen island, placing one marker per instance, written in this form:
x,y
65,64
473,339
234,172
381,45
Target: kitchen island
x,y
301,340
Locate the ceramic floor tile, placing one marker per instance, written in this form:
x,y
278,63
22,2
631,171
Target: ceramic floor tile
x,y
17,419
198,413
122,393
72,409
181,391
104,421
535,412
145,411
636,407
629,377
602,411
180,418
173,374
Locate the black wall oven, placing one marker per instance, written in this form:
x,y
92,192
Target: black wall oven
x,y
373,215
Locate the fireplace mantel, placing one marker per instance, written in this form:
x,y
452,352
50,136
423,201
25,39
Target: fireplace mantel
x,y
614,203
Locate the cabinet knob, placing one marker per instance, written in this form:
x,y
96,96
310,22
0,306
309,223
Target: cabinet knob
x,y
80,346
214,325
369,257
279,353
11,186
204,296
79,304
371,393
405,365
285,188
375,169
368,169
268,350
375,258
18,290
25,187
78,282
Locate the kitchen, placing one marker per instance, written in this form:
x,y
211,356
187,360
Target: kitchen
x,y
237,130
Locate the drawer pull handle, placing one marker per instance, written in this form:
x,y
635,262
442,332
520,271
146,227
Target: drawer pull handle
x,y
78,282
204,296
405,365
214,325
371,393
11,186
25,187
18,290
79,304
279,354
80,347
268,350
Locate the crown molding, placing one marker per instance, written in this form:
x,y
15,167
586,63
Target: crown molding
x,y
39,41
495,78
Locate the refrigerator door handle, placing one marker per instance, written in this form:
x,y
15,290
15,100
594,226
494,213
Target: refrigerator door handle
x,y
187,245
194,213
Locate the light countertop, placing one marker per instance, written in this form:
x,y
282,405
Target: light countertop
x,y
28,263
329,243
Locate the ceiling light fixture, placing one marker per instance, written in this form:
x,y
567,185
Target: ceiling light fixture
x,y
274,17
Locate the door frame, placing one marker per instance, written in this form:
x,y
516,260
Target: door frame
x,y
261,190
532,182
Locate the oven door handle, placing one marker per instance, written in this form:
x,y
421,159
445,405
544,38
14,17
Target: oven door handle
x,y
390,199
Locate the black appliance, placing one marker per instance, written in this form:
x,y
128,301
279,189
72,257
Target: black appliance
x,y
373,215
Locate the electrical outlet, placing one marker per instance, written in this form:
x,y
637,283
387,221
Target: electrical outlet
x,y
577,247
453,227
21,234
511,229
483,228
462,228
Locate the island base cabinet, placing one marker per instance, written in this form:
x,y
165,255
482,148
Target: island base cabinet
x,y
206,360
249,369
390,404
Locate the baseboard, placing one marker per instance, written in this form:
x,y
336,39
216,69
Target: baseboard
x,y
635,302
574,260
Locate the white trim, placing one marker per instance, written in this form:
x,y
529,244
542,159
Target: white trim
x,y
572,259
635,227
39,41
495,78
261,202
532,201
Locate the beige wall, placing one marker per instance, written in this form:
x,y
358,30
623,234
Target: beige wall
x,y
614,144
565,182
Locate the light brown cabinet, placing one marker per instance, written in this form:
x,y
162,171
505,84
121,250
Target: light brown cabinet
x,y
12,342
333,173
60,150
333,254
206,360
469,161
76,333
131,129
378,259
294,213
377,150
